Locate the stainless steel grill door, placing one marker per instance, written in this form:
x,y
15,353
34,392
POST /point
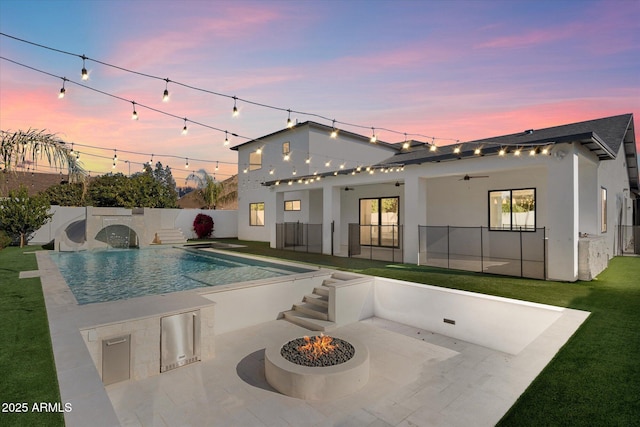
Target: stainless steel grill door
x,y
179,340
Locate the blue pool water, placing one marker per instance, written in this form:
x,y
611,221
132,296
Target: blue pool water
x,y
98,276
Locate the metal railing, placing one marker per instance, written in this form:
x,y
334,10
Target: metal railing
x,y
298,236
512,253
379,242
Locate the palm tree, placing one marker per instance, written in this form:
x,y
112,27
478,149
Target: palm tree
x,y
29,146
209,189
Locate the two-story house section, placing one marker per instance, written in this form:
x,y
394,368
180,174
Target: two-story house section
x,y
308,149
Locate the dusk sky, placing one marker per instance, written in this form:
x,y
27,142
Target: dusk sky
x,y
449,70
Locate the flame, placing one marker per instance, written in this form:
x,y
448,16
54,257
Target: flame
x,y
317,346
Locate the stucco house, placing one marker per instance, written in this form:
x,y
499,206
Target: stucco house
x,y
545,203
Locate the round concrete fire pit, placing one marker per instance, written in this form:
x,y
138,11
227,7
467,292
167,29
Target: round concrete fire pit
x,y
317,382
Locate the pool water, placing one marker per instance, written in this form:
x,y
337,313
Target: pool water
x,y
98,276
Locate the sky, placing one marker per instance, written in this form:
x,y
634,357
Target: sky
x,y
439,71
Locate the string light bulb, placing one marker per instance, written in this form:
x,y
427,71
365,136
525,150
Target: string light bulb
x,y
327,163
226,139
235,111
134,115
217,166
477,151
259,150
532,152
517,152
545,150
456,150
85,74
63,91
289,122
186,165
165,95
374,138
405,144
502,152
184,129
286,157
115,155
308,160
334,131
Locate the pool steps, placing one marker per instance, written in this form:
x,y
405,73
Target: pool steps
x,y
169,236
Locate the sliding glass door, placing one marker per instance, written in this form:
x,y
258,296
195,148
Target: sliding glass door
x,y
379,221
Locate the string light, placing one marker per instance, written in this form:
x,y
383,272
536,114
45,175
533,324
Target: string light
x,y
63,91
327,164
308,160
85,74
226,139
477,151
405,145
186,165
289,122
115,155
259,150
204,90
334,131
184,129
286,157
165,95
217,166
545,150
374,138
517,152
532,152
235,111
502,152
134,115
456,150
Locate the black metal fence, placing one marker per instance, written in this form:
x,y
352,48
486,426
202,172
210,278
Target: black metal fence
x,y
512,253
298,236
628,239
379,242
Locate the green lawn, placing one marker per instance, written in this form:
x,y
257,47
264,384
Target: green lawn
x,y
593,380
27,369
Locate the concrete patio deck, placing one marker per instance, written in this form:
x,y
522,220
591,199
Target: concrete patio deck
x,y
417,378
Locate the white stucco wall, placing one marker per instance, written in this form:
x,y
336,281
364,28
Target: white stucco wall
x,y
62,216
225,223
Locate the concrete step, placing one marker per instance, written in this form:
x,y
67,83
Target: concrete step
x,y
169,236
329,282
312,310
302,319
321,290
319,300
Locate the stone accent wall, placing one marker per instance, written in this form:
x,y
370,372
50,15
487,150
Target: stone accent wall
x,y
593,257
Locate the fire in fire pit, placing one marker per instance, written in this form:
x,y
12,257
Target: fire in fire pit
x,y
320,350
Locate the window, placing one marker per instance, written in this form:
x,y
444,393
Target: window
x,y
256,214
292,205
286,148
255,160
603,209
512,209
379,221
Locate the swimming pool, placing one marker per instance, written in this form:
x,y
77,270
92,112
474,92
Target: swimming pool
x,y
99,276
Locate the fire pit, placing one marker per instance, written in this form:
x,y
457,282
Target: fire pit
x,y
317,367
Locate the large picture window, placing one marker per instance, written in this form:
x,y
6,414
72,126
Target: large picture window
x,y
255,160
512,210
256,214
379,221
603,210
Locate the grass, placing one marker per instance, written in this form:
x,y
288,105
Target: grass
x,y
593,380
27,368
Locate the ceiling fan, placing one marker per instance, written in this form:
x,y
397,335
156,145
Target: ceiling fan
x,y
469,177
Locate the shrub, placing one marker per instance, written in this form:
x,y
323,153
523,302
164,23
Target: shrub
x,y
203,226
4,240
